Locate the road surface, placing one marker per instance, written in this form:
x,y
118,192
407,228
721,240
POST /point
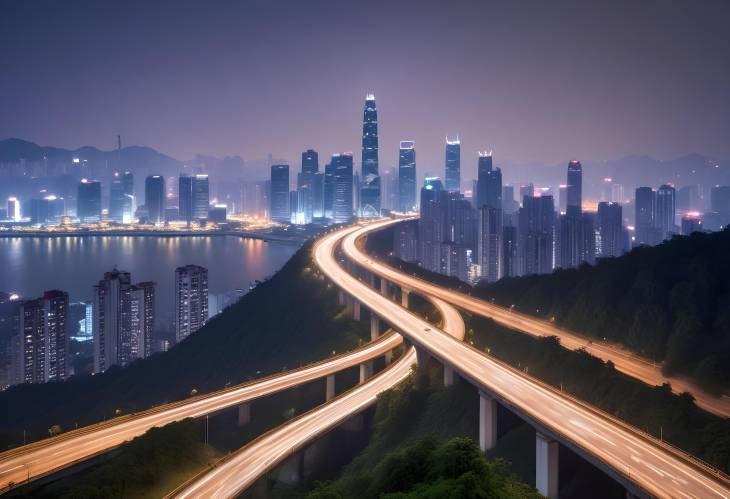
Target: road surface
x,y
235,473
625,361
44,457
624,451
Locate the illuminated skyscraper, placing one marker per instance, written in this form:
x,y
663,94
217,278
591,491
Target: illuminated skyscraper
x,y
306,187
154,198
191,300
489,241
201,196
342,203
28,344
112,320
665,211
370,190
610,229
644,203
407,176
453,165
142,319
280,193
574,188
185,197
536,228
116,198
55,305
13,208
88,201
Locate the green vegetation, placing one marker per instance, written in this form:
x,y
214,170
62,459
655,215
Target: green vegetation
x,y
290,320
423,446
670,303
656,410
170,455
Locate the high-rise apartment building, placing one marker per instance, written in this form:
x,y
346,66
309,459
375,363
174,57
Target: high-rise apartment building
x,y
610,229
665,211
280,193
536,229
452,171
191,300
489,183
201,196
88,201
407,176
142,319
370,178
574,188
185,197
55,306
154,199
489,240
644,203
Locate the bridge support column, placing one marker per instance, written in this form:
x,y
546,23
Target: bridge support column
x,y
341,297
244,414
449,375
546,466
366,371
404,295
292,470
372,280
355,309
383,287
388,357
422,357
487,422
374,326
330,388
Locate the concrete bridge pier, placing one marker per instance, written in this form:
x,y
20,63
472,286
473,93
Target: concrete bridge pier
x,y
371,278
487,422
341,297
388,357
546,466
330,387
422,357
383,287
449,375
244,414
355,309
292,470
404,298
366,371
374,326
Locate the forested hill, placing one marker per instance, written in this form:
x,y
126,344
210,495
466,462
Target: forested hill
x,y
669,303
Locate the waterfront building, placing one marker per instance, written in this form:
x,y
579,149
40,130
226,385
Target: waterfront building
x,y
13,209
201,196
154,199
191,300
407,176
88,201
280,193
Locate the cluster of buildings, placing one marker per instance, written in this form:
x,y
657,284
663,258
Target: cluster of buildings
x,y
120,322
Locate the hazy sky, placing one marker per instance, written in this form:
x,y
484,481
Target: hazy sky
x,y
533,80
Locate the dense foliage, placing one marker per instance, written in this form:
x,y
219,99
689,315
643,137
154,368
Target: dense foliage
x,y
670,303
287,321
423,446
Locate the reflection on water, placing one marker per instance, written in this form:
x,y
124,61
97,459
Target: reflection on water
x,y
31,265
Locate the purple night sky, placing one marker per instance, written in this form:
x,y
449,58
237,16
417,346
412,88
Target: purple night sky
x,y
533,80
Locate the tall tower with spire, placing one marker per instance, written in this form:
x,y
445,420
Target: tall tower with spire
x,y
370,188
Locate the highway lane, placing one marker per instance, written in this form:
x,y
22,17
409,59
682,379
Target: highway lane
x,y
626,451
50,455
624,360
238,471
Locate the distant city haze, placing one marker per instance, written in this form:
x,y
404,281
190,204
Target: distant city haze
x,y
534,81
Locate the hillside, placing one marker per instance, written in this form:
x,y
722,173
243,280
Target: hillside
x,y
669,303
287,321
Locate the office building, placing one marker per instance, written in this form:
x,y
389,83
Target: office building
x,y
610,229
489,240
280,193
452,176
536,228
88,201
303,210
431,223
407,176
510,265
154,199
509,203
576,234
665,211
191,299
489,183
342,188
574,189
369,192
644,204
185,198
405,241
218,213
318,195
13,209
691,222
201,196
121,197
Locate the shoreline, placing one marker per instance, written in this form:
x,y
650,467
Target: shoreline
x,y
298,240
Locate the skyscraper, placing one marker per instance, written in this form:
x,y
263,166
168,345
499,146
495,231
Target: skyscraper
x,y
88,201
123,320
28,344
117,198
342,202
318,195
370,190
280,193
13,208
536,228
201,196
574,188
191,300
305,187
489,240
665,211
453,165
644,202
610,229
185,197
55,306
154,198
407,176
310,161
489,183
